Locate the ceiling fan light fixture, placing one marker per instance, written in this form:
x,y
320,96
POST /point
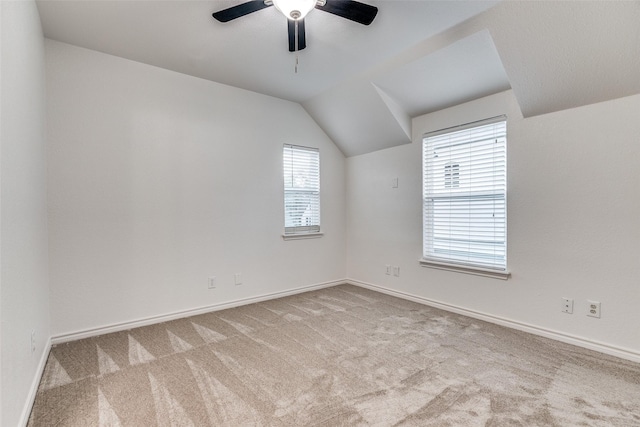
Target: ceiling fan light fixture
x,y
294,9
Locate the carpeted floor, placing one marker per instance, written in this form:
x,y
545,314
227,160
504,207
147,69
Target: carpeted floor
x,y
333,357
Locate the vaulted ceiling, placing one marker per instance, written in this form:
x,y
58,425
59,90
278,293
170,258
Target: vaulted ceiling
x,y
363,84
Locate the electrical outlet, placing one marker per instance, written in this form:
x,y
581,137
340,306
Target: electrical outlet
x,y
567,305
394,183
593,309
237,279
388,270
33,341
396,271
212,282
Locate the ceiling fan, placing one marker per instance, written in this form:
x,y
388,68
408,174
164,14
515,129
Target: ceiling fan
x,y
296,10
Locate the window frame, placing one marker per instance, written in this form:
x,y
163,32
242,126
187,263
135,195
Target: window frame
x,y
452,176
307,231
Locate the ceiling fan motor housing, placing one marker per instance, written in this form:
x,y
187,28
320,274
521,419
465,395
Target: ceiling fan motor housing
x,y
294,9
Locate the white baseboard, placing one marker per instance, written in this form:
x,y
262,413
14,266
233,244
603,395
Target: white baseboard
x,y
123,326
612,350
33,390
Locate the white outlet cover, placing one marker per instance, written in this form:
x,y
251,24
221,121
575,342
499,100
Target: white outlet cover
x,y
593,309
212,282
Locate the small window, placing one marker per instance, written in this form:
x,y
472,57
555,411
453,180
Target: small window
x,y
465,197
301,167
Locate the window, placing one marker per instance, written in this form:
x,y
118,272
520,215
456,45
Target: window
x,y
301,167
464,196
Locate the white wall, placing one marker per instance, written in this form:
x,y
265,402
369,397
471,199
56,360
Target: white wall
x,y
573,220
24,295
158,180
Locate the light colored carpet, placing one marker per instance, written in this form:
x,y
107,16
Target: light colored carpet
x,y
337,356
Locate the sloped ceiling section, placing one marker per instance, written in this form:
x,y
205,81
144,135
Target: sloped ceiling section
x,y
561,55
467,69
399,113
357,118
359,122
554,55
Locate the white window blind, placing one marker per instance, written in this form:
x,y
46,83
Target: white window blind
x,y
464,195
301,190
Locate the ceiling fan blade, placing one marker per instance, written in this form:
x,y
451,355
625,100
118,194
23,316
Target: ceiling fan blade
x,y
302,39
291,28
351,9
243,9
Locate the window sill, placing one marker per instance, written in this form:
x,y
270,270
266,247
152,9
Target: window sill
x,y
302,236
485,272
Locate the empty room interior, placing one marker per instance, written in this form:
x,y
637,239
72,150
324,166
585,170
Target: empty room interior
x,y
326,213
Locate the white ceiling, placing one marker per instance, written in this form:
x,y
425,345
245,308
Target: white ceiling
x,y
252,51
362,84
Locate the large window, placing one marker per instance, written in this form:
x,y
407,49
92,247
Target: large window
x,y
301,190
465,197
